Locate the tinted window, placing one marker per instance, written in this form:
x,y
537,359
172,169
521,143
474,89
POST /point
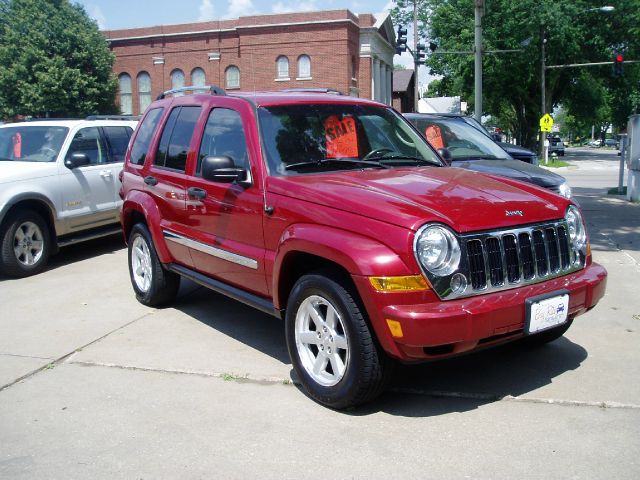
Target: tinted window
x,y
176,137
118,138
89,142
224,136
144,135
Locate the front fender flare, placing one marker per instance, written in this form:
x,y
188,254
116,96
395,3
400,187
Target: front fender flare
x,y
143,203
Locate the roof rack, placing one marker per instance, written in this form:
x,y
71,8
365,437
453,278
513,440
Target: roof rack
x,y
113,117
331,91
213,90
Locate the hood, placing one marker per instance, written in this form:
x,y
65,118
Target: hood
x,y
512,149
409,197
525,172
12,171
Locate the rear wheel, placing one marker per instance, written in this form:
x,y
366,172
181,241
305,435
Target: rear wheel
x,y
26,244
152,283
332,349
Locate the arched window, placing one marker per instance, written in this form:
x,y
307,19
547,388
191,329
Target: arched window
x,y
144,91
282,67
232,77
124,84
177,79
198,78
304,66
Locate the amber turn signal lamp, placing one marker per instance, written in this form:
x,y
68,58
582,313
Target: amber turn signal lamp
x,y
395,328
399,284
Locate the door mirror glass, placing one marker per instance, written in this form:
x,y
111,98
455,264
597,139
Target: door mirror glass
x,y
223,170
76,160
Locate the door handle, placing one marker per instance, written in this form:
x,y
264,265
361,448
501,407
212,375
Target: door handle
x,y
151,180
106,173
198,193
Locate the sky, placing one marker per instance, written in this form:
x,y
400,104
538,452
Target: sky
x,y
116,14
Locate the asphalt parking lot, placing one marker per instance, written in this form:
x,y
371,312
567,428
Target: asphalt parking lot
x,y
95,385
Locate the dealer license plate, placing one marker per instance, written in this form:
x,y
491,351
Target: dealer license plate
x,y
547,313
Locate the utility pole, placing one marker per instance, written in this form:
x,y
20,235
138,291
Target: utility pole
x,y
543,83
479,12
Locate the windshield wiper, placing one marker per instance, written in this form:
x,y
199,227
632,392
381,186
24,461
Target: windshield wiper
x,y
408,158
479,157
327,161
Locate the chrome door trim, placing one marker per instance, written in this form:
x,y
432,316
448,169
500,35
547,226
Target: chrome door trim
x,y
209,250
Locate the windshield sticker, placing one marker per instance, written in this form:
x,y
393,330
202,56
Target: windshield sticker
x,y
341,136
17,145
434,136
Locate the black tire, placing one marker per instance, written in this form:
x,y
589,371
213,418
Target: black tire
x,y
542,338
153,284
367,369
21,257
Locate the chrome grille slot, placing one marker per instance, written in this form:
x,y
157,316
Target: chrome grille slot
x,y
565,256
540,253
477,271
553,249
526,256
511,258
494,255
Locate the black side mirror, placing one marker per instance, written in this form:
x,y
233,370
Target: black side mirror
x,y
77,160
222,170
445,154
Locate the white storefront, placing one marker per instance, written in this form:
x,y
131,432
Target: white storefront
x,y
377,45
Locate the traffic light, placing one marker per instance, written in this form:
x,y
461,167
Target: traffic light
x,y
618,65
433,46
401,42
420,55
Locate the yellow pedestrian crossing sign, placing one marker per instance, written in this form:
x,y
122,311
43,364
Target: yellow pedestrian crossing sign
x,y
546,122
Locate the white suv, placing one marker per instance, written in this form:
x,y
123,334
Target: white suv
x,y
58,185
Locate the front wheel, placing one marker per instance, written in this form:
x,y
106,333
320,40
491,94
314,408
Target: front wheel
x,y
332,349
26,244
152,283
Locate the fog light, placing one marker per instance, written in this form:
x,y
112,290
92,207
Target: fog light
x,y
458,283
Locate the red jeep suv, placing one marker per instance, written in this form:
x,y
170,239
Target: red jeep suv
x,y
334,214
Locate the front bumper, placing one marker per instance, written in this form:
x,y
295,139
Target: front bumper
x,y
437,328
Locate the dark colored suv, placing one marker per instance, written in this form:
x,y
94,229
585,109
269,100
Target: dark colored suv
x,y
334,214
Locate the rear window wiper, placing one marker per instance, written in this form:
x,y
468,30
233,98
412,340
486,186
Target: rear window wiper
x,y
333,161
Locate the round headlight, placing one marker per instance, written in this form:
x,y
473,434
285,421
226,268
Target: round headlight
x,y
438,250
565,190
577,231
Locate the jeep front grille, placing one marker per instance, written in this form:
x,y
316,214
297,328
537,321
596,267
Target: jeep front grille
x,y
505,259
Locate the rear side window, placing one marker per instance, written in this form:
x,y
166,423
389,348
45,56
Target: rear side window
x,y
145,133
176,138
118,138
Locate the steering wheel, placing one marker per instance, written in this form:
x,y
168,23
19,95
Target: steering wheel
x,y
48,152
378,152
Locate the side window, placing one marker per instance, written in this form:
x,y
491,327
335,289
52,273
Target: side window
x,y
118,139
176,137
89,142
224,136
144,135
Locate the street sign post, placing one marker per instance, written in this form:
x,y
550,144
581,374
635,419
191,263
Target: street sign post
x,y
546,124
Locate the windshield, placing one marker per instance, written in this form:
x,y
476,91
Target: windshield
x,y
323,137
463,141
30,143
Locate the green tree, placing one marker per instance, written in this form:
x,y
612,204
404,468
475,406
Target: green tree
x,y
53,61
575,32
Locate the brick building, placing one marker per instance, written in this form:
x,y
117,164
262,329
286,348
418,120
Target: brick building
x,y
326,49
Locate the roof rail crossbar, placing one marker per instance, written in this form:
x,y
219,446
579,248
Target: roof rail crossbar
x,y
112,117
213,90
332,91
